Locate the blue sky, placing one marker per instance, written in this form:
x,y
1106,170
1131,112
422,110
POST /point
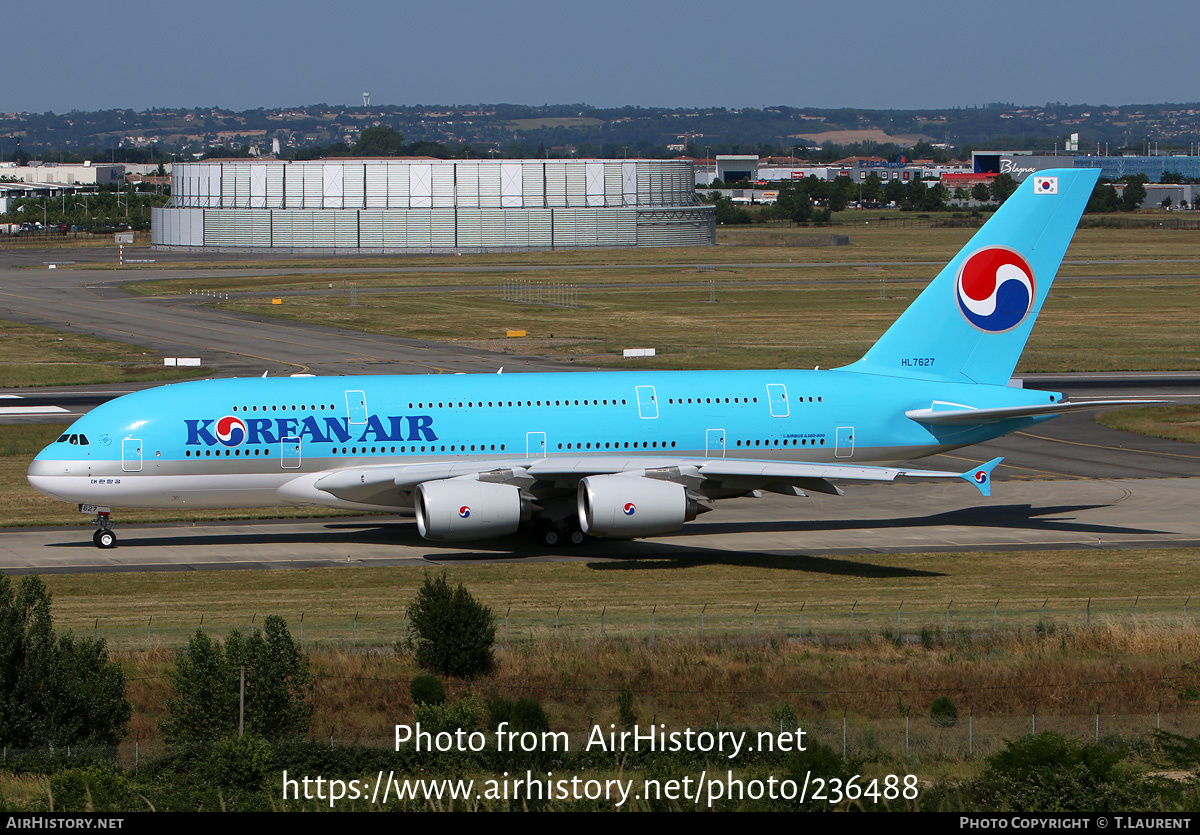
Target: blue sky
x,y
88,56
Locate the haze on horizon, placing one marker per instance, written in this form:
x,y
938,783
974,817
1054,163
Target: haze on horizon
x,y
139,55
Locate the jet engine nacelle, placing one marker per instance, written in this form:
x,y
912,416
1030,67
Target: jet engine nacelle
x,y
453,510
625,507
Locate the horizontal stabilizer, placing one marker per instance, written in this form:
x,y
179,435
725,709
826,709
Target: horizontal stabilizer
x,y
981,476
962,416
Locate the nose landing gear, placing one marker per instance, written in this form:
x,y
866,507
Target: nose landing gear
x,y
105,536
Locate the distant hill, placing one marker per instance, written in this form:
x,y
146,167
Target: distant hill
x,y
576,129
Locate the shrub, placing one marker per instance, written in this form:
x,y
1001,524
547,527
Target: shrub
x,y
783,716
98,787
524,714
466,715
54,689
1051,773
529,715
499,710
943,712
625,707
427,690
454,631
206,682
1030,755
241,762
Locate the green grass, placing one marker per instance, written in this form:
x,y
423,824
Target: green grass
x,y
1175,423
35,356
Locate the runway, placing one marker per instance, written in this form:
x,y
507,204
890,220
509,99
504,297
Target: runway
x,y
1100,515
1068,483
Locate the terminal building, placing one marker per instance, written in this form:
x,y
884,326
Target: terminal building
x,y
428,206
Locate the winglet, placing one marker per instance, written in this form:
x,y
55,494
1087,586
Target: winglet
x,y
981,476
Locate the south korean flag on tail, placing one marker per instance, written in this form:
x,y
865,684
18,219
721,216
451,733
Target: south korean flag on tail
x,y
1045,185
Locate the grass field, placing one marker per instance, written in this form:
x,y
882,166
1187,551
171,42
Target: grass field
x,y
1176,423
1087,325
790,314
1051,661
889,242
1010,586
37,356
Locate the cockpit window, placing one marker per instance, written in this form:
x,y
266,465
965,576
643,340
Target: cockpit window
x,y
83,441
62,439
75,439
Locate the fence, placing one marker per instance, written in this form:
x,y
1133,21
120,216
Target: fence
x,y
912,740
905,623
534,292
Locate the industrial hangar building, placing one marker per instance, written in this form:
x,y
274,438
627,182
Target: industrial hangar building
x,y
420,205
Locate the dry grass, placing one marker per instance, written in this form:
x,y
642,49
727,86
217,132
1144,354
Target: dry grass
x,y
779,304
1176,423
1117,670
19,790
1095,325
36,356
888,244
628,593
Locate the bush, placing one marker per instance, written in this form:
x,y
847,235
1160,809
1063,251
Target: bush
x,y
454,631
206,681
98,787
466,715
783,716
524,714
943,712
427,690
1051,773
55,690
529,715
241,762
625,707
1048,751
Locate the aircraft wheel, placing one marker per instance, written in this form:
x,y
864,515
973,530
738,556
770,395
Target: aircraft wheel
x,y
549,537
104,538
576,537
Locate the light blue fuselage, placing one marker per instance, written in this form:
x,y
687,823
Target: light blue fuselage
x,y
162,447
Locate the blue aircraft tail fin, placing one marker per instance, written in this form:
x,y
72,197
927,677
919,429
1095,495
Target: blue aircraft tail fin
x,y
971,322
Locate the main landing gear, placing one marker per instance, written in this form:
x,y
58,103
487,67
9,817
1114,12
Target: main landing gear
x,y
556,533
105,536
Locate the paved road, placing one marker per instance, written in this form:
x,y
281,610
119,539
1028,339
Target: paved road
x,y
1045,515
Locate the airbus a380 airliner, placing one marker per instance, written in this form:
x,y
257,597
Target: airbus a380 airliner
x,y
608,454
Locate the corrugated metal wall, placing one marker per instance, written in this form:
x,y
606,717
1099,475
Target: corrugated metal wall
x,y
433,205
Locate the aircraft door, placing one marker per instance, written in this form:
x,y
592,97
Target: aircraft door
x,y
647,402
289,453
131,455
714,443
777,397
356,407
845,442
535,444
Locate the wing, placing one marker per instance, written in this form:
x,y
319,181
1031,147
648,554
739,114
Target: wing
x,y
949,414
610,496
393,486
